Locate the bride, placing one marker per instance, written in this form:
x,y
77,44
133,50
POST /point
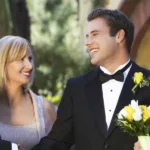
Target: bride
x,y
25,117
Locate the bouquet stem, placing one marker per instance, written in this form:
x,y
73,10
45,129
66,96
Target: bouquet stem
x,y
144,142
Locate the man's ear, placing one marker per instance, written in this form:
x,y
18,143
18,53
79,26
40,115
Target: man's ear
x,y
120,36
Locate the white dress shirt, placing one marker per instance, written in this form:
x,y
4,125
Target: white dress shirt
x,y
14,146
111,92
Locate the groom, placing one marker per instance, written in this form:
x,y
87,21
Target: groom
x,y
87,112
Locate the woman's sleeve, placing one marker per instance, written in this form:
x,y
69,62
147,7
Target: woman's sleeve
x,y
50,113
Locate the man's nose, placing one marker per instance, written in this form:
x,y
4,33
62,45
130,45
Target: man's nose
x,y
88,41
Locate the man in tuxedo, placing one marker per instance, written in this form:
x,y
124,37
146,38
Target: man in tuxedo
x,y
90,103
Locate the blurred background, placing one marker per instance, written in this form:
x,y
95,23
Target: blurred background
x,y
56,30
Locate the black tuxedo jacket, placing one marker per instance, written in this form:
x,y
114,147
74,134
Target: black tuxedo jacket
x,y
81,115
5,145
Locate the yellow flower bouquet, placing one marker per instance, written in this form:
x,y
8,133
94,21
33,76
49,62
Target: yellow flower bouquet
x,y
135,120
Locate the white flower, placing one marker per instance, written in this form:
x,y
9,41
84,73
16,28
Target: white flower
x,y
137,115
122,113
148,108
134,104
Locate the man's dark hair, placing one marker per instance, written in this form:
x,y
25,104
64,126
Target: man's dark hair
x,y
116,20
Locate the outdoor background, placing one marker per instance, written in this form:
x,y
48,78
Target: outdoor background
x,y
56,30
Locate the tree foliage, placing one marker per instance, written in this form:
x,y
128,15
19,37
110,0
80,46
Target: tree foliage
x,y
55,38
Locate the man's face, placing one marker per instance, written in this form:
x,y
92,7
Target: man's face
x,y
101,46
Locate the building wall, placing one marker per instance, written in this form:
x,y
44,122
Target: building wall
x,y
143,52
139,12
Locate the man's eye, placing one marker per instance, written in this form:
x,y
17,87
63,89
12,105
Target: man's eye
x,y
94,34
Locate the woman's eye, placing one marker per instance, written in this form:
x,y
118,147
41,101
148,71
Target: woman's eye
x,y
30,58
22,58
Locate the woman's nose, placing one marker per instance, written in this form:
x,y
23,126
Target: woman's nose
x,y
29,64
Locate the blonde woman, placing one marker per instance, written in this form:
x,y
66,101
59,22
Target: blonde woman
x,y
24,117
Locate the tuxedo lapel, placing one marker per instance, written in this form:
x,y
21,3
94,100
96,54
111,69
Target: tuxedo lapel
x,y
126,95
95,99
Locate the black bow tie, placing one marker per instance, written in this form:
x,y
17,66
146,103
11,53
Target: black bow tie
x,y
103,77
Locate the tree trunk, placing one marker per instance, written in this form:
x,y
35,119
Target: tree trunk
x,y
20,18
5,20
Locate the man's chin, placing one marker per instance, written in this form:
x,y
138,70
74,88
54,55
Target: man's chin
x,y
94,62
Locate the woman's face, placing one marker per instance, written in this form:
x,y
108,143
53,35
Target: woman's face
x,y
19,71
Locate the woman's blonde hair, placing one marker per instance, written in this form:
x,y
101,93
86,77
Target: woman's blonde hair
x,y
12,48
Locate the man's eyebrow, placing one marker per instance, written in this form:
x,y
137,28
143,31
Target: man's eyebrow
x,y
92,32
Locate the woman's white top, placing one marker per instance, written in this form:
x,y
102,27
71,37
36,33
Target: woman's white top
x,y
29,135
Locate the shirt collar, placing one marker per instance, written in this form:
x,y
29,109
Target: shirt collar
x,y
120,67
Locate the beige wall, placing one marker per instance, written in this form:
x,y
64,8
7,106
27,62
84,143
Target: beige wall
x,y
143,52
113,4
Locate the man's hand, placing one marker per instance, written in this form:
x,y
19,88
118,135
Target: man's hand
x,y
19,147
137,146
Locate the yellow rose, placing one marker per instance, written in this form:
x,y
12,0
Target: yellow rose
x,y
146,115
138,77
143,107
130,112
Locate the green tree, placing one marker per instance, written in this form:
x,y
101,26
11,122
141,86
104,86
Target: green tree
x,y
55,38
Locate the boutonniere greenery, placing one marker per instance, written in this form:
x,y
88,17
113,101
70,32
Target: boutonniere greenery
x,y
140,81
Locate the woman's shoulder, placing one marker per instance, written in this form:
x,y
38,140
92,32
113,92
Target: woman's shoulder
x,y
50,114
49,110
